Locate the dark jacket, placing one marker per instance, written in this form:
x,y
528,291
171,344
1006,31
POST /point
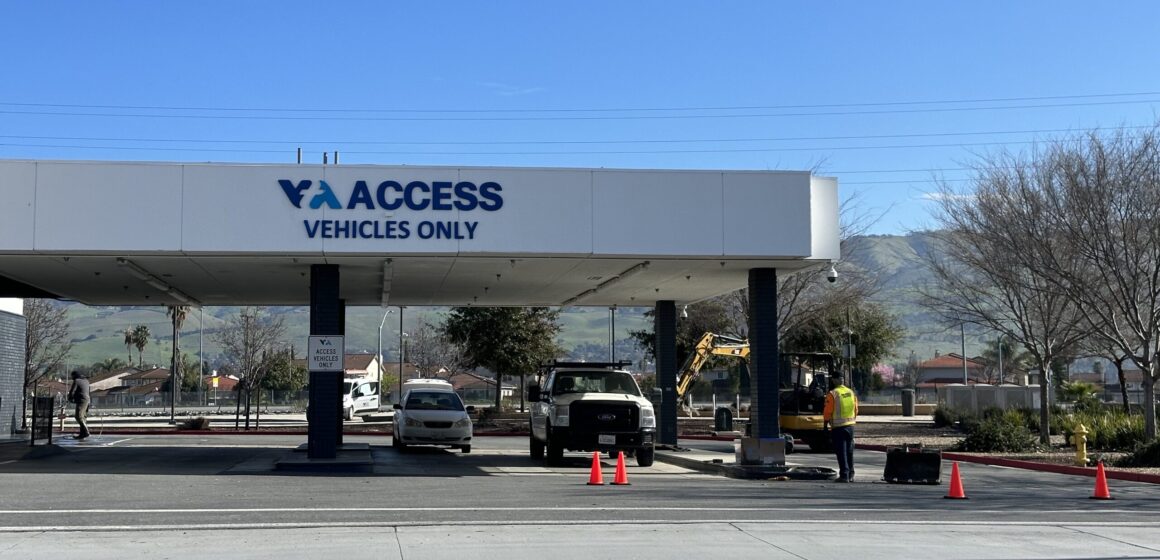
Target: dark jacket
x,y
79,391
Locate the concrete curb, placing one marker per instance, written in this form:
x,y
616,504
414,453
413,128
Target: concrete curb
x,y
755,472
1037,466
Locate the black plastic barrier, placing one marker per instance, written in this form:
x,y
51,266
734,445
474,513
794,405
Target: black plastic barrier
x,y
912,465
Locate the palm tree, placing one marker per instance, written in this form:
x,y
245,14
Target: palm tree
x,y
129,343
141,340
110,364
177,313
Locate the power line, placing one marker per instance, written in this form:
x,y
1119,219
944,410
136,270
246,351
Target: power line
x,y
564,142
551,153
587,110
579,118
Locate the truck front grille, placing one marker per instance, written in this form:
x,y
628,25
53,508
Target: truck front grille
x,y
595,416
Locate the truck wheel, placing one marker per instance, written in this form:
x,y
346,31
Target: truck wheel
x,y
535,448
555,452
644,456
348,414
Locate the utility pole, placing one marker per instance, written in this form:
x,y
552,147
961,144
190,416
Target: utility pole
x,y
963,340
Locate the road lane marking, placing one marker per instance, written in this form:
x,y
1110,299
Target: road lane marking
x,y
476,523
549,509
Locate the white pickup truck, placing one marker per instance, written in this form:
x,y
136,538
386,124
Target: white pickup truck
x,y
590,407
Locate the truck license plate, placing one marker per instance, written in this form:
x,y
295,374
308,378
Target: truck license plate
x,y
606,439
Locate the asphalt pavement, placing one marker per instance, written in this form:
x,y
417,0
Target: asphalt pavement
x,y
205,496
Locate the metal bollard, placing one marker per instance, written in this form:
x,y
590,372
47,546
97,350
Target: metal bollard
x,y
1079,439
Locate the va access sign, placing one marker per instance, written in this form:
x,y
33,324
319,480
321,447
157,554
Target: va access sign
x,y
463,197
326,353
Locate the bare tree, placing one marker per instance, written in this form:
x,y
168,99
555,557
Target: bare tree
x,y
982,273
46,345
433,353
247,340
1105,199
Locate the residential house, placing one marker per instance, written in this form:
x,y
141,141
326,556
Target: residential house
x,y
473,387
947,369
110,379
1133,382
145,377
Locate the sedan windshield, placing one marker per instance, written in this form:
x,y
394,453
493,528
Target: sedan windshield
x,y
433,400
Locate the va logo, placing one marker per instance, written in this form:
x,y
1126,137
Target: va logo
x,y
463,196
295,194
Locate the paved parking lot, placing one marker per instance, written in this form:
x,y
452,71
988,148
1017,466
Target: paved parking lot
x,y
183,489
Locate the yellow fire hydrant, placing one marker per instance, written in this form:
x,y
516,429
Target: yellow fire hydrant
x,y
1079,438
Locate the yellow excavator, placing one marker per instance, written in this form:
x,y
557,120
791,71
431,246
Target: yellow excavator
x,y
802,391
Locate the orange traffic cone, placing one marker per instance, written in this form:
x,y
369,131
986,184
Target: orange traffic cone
x,y
956,492
595,478
621,478
1101,492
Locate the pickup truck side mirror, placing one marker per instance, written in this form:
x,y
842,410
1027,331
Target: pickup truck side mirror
x,y
533,392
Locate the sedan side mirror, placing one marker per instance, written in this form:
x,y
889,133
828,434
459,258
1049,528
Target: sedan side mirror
x,y
470,408
397,406
533,392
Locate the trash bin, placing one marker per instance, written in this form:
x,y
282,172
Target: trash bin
x,y
723,420
908,402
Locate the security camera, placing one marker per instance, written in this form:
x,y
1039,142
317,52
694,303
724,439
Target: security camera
x,y
832,275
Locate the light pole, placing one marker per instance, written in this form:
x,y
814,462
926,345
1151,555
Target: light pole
x,y
380,354
401,342
201,352
1000,359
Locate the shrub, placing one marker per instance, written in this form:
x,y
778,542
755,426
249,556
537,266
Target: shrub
x,y
1144,456
962,419
1055,424
1110,430
1005,433
944,416
199,423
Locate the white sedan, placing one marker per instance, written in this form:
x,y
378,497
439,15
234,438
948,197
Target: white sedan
x,y
432,417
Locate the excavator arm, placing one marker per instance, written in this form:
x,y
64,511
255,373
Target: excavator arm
x,y
709,345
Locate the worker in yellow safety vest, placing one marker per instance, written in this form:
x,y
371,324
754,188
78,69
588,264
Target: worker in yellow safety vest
x,y
840,414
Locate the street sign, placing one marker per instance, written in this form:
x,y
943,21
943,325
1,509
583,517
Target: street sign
x,y
325,353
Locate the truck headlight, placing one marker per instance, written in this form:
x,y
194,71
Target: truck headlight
x,y
648,418
561,419
413,422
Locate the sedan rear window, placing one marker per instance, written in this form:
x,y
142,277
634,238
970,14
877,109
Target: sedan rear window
x,y
433,400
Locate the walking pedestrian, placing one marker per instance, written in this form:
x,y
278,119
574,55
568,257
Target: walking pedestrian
x,y
840,415
78,394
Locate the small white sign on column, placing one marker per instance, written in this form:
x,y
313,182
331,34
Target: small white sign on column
x,y
326,353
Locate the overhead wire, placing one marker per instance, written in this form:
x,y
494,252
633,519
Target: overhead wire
x,y
573,110
577,118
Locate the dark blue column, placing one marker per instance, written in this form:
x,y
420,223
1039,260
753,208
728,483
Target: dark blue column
x,y
763,354
665,327
326,318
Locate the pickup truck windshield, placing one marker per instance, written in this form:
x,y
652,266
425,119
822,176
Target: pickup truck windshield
x,y
597,381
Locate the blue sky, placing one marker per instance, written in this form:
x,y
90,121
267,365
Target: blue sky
x,y
712,85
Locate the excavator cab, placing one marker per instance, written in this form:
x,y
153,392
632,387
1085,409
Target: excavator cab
x,y
805,380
